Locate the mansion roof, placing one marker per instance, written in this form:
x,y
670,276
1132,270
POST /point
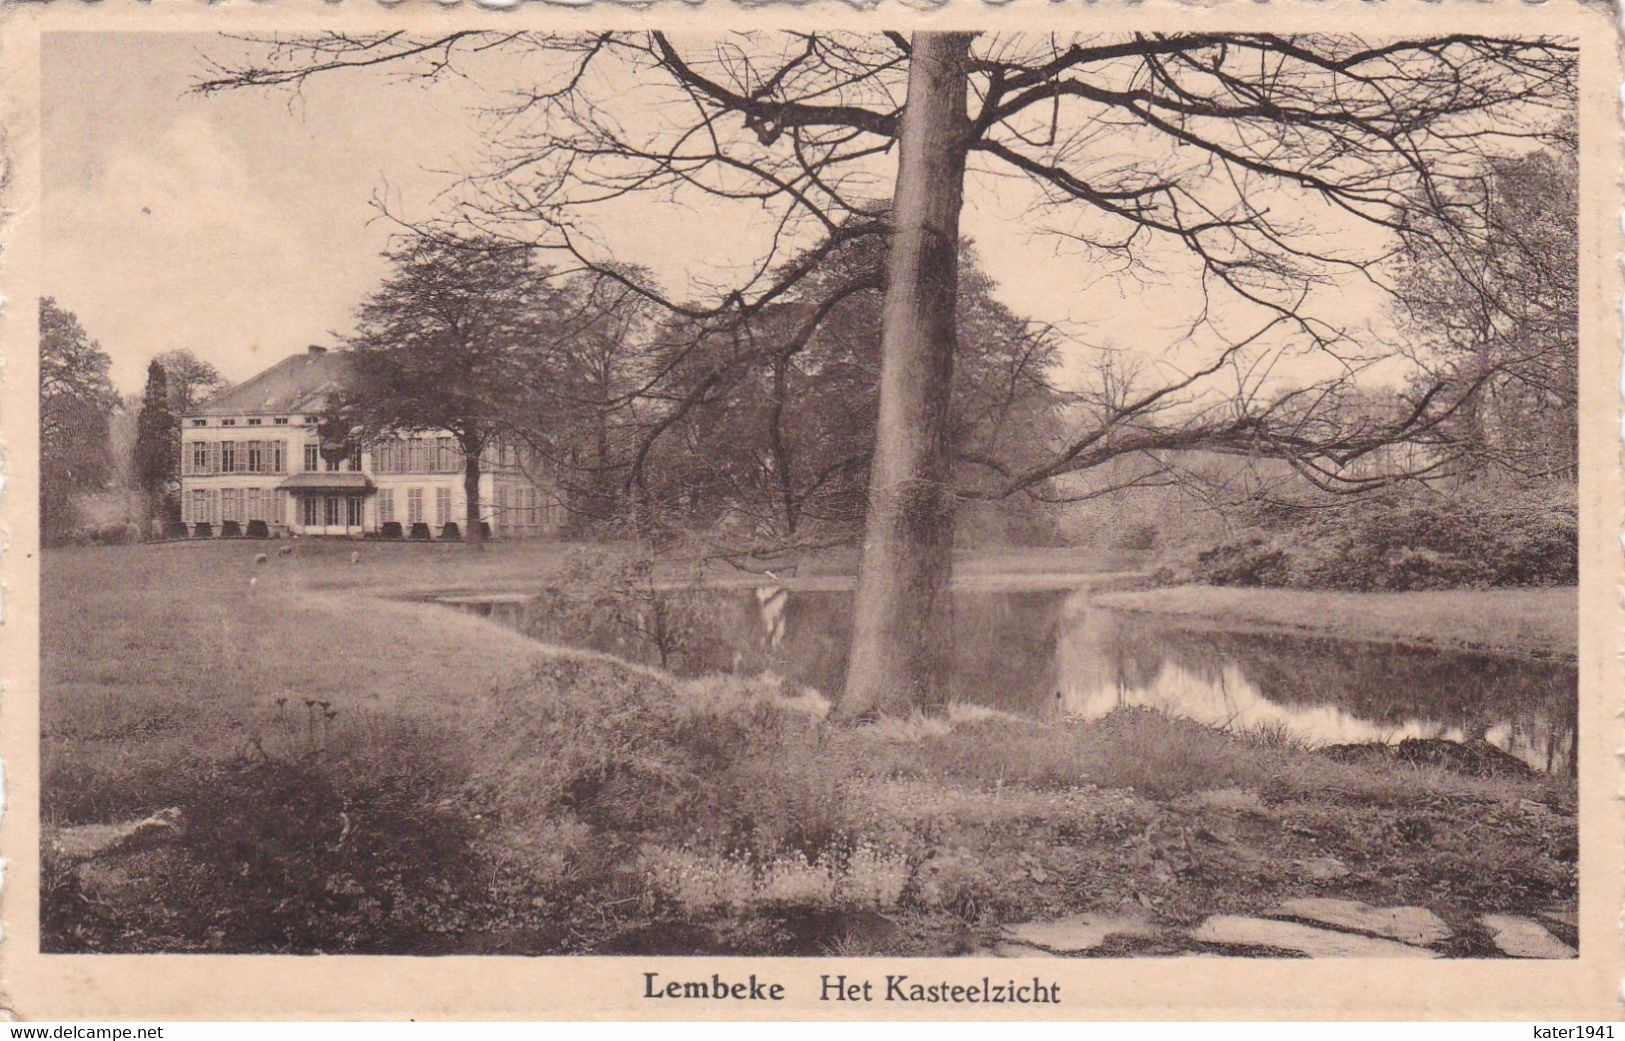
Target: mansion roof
x,y
301,383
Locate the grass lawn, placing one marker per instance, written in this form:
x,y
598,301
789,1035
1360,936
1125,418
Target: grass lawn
x,y
363,774
1542,623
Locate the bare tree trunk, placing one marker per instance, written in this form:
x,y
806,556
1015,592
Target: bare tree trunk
x,y
473,534
902,639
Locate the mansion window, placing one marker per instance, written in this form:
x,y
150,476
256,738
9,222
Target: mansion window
x,y
254,422
308,511
202,505
442,506
212,506
352,511
386,505
313,457
414,506
417,455
200,422
228,422
519,505
281,421
225,457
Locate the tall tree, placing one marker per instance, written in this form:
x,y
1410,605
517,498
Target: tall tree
x,y
1247,154
583,396
157,441
449,341
190,380
1505,314
902,629
781,448
76,407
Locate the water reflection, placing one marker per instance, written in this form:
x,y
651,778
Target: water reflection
x,y
1040,653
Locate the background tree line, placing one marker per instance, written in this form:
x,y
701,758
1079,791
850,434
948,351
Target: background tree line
x,y
109,466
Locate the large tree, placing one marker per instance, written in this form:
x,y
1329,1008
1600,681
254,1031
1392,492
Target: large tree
x,y
157,440
1249,155
449,341
1505,315
190,380
780,448
76,408
585,397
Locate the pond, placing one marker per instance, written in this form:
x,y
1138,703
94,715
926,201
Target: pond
x,y
1051,652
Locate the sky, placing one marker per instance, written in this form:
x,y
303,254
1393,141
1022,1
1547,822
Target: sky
x,y
241,226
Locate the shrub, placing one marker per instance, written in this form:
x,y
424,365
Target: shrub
x,y
1471,542
1139,536
303,855
390,530
118,534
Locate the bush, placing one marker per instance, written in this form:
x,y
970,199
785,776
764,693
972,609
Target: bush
x,y
231,530
1465,542
257,529
118,534
390,530
1139,536
420,530
450,530
202,530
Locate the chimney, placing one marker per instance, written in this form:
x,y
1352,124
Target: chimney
x,y
317,350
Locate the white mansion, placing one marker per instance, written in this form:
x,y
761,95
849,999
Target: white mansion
x,y
253,453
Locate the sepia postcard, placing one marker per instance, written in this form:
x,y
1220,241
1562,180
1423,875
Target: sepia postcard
x,y
1040,511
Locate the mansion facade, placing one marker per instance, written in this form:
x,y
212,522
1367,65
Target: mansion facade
x,y
252,456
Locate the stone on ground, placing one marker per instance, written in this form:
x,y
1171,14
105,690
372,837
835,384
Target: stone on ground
x,y
1520,937
86,841
1306,939
1080,932
1413,925
1321,869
